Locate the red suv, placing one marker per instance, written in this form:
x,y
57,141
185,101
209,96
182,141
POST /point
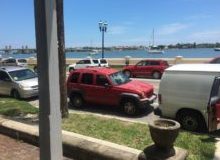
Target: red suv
x,y
215,60
152,68
107,86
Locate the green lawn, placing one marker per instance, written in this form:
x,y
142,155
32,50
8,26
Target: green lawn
x,y
13,107
135,135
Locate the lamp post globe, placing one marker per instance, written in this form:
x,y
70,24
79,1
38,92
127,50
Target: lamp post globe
x,y
103,28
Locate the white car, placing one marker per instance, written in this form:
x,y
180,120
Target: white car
x,y
21,62
13,62
18,82
89,62
103,62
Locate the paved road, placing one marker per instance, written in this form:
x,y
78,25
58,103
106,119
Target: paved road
x,y
146,117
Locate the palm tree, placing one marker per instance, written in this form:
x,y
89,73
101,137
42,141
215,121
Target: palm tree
x,y
62,59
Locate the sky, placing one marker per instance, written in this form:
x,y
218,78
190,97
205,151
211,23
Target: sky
x,y
130,22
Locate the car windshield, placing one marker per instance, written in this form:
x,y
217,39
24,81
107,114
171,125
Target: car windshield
x,y
23,74
119,78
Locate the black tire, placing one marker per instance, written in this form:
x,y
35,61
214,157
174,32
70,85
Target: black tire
x,y
71,69
35,69
127,73
15,94
156,75
129,107
191,120
76,100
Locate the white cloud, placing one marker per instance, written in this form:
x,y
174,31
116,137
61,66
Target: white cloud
x,y
199,16
205,36
172,28
116,30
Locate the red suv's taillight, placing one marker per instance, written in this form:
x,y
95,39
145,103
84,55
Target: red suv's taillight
x,y
159,98
217,111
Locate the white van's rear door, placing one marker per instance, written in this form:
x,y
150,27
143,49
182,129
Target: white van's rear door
x,y
214,107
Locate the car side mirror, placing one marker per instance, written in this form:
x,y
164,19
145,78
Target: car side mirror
x,y
7,80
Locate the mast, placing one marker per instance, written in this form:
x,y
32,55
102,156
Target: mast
x,y
153,37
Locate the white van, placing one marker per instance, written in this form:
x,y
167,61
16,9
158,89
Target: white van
x,y
190,93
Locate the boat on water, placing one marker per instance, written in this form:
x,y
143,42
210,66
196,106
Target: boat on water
x,y
154,49
216,49
94,52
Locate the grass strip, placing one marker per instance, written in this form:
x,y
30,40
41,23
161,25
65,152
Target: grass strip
x,y
136,135
12,107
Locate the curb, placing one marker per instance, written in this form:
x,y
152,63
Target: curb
x,y
217,151
74,145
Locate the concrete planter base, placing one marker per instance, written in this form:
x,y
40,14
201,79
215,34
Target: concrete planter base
x,y
154,153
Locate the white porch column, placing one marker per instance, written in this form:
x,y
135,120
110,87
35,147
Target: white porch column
x,y
49,94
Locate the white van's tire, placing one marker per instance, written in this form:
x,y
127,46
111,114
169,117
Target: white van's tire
x,y
191,120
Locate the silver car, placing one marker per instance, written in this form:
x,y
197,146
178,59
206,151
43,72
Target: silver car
x,y
18,82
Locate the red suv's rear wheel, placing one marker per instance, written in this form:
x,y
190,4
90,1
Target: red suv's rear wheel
x,y
76,100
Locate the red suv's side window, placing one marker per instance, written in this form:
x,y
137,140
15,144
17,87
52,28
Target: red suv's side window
x,y
142,63
74,78
87,78
154,63
165,63
101,80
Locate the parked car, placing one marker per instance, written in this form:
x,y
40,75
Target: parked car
x,y
18,82
146,68
103,62
13,62
21,62
190,93
107,86
8,62
215,60
88,62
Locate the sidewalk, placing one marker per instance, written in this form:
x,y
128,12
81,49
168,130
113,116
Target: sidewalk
x,y
11,149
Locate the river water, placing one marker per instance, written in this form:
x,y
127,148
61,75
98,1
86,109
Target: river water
x,y
170,53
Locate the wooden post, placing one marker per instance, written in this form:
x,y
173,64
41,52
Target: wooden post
x,y
49,92
62,59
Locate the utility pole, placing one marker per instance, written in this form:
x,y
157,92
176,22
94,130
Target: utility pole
x,y
62,59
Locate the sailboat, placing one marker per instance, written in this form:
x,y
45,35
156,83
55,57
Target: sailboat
x,y
153,49
216,49
93,52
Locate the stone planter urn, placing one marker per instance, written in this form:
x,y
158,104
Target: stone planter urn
x,y
164,133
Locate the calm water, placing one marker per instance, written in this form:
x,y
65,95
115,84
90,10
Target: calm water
x,y
171,53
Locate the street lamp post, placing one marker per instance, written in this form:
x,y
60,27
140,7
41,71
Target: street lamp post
x,y
103,29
